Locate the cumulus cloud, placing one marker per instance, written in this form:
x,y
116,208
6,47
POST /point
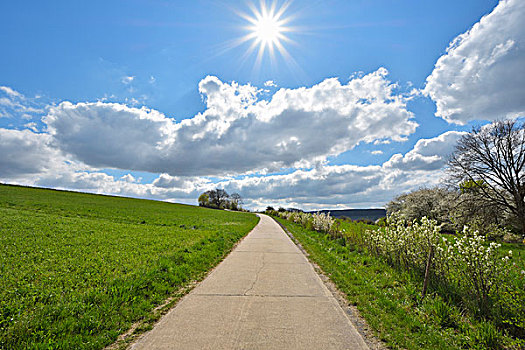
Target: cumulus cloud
x,y
31,126
482,74
25,152
349,185
185,191
237,133
324,187
328,184
33,161
193,183
427,154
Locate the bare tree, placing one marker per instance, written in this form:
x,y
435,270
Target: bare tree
x,y
236,200
492,157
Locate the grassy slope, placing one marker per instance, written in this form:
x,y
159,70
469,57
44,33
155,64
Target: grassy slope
x,y
389,299
78,269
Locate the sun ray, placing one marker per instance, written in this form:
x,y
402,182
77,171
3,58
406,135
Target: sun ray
x,y
282,9
267,27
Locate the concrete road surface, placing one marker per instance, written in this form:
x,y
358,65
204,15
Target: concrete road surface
x,y
264,295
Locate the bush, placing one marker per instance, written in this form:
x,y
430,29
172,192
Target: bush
x,y
466,266
465,269
322,222
451,209
434,203
381,222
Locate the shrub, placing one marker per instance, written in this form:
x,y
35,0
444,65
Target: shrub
x,y
465,269
381,222
467,265
322,222
319,221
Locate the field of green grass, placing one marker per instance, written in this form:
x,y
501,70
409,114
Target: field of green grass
x,y
390,299
78,269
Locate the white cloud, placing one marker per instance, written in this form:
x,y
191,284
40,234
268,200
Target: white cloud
x,y
10,92
182,182
13,104
127,185
128,79
31,126
324,187
326,184
427,154
349,185
238,132
25,152
270,83
109,134
482,75
32,160
376,152
129,178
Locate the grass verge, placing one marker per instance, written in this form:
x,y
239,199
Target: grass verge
x,y
79,269
390,301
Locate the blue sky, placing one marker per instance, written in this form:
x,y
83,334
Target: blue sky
x,y
96,91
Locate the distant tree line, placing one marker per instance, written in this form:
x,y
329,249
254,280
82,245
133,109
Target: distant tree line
x,y
220,199
282,210
484,188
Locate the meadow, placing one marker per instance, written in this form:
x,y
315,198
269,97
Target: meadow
x,y
77,270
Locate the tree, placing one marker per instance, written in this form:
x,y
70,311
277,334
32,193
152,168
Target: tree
x,y
491,159
204,200
434,203
235,201
218,198
471,209
454,208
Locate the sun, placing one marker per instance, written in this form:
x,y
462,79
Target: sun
x,y
267,28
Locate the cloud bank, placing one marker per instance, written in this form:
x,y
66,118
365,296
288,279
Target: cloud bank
x,y
35,161
239,132
482,73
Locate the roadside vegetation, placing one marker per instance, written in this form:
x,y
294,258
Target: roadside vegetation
x,y
386,283
77,270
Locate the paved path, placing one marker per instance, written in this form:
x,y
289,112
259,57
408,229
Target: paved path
x,y
264,295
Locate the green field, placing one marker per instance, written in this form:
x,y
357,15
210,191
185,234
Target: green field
x,y
78,269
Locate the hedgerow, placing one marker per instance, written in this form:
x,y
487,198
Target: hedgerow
x,y
464,268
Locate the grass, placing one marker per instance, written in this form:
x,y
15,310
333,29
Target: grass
x,y
77,269
518,253
390,299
